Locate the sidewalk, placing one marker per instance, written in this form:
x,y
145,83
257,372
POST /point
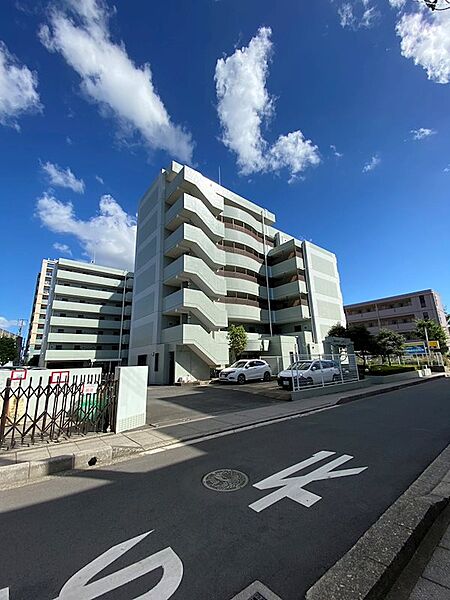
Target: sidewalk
x,y
27,464
434,583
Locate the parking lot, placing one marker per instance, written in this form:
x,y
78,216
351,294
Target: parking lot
x,y
178,404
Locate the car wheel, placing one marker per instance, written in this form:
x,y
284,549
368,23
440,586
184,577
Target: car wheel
x,y
309,381
266,376
336,378
241,379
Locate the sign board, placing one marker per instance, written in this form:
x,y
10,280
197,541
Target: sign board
x,y
433,345
90,388
415,348
18,374
59,377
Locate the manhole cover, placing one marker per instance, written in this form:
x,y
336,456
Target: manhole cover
x,y
225,480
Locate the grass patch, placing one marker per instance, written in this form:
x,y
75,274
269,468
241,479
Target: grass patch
x,y
390,369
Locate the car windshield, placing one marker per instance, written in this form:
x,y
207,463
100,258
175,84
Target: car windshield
x,y
240,364
301,365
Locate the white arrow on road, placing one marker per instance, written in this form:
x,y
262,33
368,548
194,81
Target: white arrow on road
x,y
293,487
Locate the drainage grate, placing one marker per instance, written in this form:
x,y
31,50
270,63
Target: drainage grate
x,y
225,480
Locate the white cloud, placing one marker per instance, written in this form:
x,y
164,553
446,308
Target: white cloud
x,y
447,169
69,140
63,248
244,106
8,323
358,14
109,236
425,38
18,89
63,177
335,152
110,78
372,163
398,4
100,179
421,133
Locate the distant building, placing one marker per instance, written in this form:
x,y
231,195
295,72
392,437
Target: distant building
x,y
398,313
39,311
87,318
207,258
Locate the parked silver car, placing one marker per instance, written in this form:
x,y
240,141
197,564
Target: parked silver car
x,y
310,372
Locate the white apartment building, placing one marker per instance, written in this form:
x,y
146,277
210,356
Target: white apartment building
x,y
88,316
39,311
207,258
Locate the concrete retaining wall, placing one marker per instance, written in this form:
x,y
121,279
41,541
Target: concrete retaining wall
x,y
308,392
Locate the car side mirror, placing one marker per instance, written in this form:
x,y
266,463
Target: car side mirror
x,y
246,366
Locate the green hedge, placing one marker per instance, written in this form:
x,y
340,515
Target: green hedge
x,y
390,369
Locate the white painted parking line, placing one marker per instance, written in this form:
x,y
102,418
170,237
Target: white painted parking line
x,y
4,594
293,487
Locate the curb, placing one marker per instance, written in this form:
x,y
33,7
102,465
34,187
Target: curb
x,y
392,388
370,568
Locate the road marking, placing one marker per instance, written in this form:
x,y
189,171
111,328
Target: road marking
x,y
4,594
293,487
78,588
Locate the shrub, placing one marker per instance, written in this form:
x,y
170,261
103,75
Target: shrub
x,y
390,369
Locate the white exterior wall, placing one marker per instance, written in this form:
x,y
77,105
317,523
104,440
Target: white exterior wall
x,y
202,257
88,317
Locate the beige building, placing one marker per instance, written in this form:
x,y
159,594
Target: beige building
x,y
39,311
398,313
207,258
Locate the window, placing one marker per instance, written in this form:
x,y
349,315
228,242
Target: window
x,y
425,316
37,347
58,347
156,361
60,330
77,347
298,328
40,327
142,360
422,301
78,331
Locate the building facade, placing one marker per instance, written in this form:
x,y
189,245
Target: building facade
x,y
39,311
207,258
88,316
398,313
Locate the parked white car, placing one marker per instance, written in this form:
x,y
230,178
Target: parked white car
x,y
246,370
310,372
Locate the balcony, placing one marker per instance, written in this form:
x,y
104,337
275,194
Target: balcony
x,y
189,208
75,292
83,307
194,183
81,323
188,238
81,355
246,313
294,314
290,265
291,289
212,315
191,268
85,338
83,278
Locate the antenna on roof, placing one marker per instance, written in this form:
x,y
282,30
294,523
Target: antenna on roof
x,y
220,178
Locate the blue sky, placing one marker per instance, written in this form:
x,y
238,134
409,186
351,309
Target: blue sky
x,y
332,114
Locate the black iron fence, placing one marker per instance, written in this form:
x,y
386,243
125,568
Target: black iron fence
x,y
54,411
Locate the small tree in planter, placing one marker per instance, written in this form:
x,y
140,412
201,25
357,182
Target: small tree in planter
x,y
389,343
237,340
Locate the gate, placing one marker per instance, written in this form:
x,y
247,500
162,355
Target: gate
x,y
56,411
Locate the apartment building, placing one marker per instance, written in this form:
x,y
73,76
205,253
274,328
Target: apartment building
x,y
39,311
398,313
88,316
207,258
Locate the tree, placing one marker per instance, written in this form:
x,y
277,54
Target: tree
x,y
363,341
237,340
338,330
389,343
435,332
8,350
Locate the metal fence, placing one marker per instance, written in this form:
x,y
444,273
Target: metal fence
x,y
318,370
54,411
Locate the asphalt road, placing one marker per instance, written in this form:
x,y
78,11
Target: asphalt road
x,y
212,545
